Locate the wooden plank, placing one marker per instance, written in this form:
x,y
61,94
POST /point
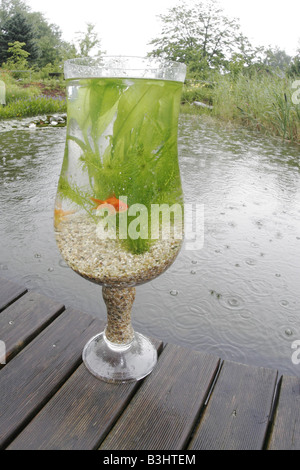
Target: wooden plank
x,y
237,414
285,433
24,319
162,413
62,426
35,374
9,292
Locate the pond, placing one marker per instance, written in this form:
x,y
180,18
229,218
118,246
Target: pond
x,y
237,296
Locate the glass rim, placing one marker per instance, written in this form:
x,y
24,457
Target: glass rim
x,y
122,66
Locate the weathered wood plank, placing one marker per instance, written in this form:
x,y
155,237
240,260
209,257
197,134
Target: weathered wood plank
x,y
35,374
24,319
79,416
285,434
9,292
237,414
162,413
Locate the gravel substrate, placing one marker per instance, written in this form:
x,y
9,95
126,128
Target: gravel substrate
x,y
118,303
105,261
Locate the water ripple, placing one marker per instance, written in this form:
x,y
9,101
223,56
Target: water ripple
x,y
231,301
242,303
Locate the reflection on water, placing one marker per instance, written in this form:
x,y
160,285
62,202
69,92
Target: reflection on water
x,y
238,297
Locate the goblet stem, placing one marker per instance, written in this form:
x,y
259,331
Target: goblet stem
x,y
119,354
119,304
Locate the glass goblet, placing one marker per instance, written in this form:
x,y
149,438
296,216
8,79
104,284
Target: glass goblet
x,y
118,214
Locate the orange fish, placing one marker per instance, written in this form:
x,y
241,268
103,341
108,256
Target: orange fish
x,y
59,214
118,206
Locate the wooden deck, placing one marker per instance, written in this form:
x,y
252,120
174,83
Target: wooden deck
x,y
191,401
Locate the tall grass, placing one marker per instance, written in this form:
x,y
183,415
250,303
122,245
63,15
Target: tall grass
x,y
262,102
26,101
14,90
35,106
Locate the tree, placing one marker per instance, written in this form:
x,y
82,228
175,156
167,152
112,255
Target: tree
x,y
277,58
201,36
47,36
294,68
9,7
18,57
17,28
50,48
88,42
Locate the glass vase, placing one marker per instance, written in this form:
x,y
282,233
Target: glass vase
x,y
118,214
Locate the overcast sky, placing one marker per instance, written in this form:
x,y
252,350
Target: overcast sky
x,y
127,26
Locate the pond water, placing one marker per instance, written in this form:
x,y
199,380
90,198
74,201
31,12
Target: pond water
x,y
238,296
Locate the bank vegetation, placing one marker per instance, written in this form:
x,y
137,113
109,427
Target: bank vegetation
x,y
227,77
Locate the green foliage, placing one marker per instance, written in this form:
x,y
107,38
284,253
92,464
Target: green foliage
x,y
197,91
37,105
294,69
14,91
17,29
88,42
48,40
139,159
10,7
44,43
202,37
276,58
17,56
46,70
261,102
75,194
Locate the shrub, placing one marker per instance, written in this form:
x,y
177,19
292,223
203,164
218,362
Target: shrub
x,y
37,105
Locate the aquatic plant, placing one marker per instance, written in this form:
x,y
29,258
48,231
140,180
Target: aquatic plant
x,y
126,137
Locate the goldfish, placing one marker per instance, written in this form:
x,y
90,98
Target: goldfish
x,y
59,214
112,203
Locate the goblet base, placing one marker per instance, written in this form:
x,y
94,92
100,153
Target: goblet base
x,y
116,363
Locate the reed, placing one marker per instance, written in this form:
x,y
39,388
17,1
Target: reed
x,y
262,102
